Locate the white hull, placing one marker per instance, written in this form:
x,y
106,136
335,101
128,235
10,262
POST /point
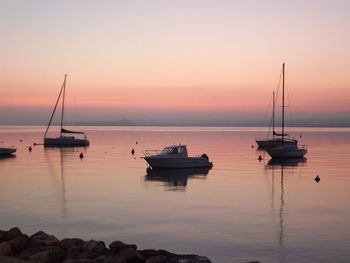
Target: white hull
x,y
187,162
7,151
65,141
286,151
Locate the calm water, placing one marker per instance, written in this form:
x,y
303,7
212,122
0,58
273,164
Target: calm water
x,y
240,210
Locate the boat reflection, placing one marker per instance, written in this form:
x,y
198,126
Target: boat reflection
x,y
5,157
285,167
176,179
291,162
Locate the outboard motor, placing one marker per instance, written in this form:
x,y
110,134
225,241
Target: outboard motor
x,y
205,156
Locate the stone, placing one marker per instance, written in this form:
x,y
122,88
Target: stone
x,y
13,233
78,261
42,238
96,246
156,259
131,255
2,235
89,254
48,256
114,260
117,246
11,260
19,243
70,242
5,249
27,252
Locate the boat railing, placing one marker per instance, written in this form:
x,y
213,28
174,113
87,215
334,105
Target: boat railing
x,y
151,152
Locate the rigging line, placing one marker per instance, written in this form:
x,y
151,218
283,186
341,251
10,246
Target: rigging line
x,y
64,94
54,110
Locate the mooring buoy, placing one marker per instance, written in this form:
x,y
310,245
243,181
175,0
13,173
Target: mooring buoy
x,y
81,156
260,158
132,151
317,178
30,148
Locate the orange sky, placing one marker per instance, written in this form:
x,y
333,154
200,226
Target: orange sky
x,y
188,56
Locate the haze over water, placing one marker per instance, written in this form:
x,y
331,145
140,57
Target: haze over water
x,y
240,210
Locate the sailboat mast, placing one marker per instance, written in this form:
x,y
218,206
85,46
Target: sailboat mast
x,y
273,114
64,93
54,109
282,102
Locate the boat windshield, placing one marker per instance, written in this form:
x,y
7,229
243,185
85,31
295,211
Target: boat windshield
x,y
171,150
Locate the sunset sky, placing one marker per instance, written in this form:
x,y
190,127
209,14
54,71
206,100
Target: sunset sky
x,y
158,59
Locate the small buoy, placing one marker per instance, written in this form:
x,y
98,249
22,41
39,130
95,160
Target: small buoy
x,y
137,142
317,178
132,151
252,146
30,148
21,140
260,158
81,156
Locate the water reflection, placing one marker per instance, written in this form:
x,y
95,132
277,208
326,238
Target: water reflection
x,y
176,179
57,174
280,165
289,162
5,157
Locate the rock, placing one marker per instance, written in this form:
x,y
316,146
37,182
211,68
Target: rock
x,y
89,254
2,235
48,256
42,238
13,233
117,246
19,243
27,252
11,260
78,261
131,255
156,259
5,249
70,242
95,246
114,260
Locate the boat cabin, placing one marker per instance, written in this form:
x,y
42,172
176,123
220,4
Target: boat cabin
x,y
179,150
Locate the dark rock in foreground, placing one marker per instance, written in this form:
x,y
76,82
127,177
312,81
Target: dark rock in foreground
x,y
16,247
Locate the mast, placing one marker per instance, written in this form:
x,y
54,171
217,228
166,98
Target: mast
x,y
64,93
54,109
273,114
282,102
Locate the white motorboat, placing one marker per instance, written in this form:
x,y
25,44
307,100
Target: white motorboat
x,y
64,140
175,156
286,151
7,151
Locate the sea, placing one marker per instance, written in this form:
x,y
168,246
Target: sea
x,y
240,210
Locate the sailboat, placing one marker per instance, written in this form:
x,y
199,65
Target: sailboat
x,y
277,138
63,139
285,150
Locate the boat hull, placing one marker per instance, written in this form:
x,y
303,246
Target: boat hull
x,y
174,163
65,141
286,151
275,143
6,151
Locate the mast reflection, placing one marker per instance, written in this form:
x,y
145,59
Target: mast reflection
x,y
284,165
176,179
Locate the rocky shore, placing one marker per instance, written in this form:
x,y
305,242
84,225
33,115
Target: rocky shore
x,y
17,247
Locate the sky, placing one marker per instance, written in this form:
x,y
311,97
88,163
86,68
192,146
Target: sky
x,y
164,60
